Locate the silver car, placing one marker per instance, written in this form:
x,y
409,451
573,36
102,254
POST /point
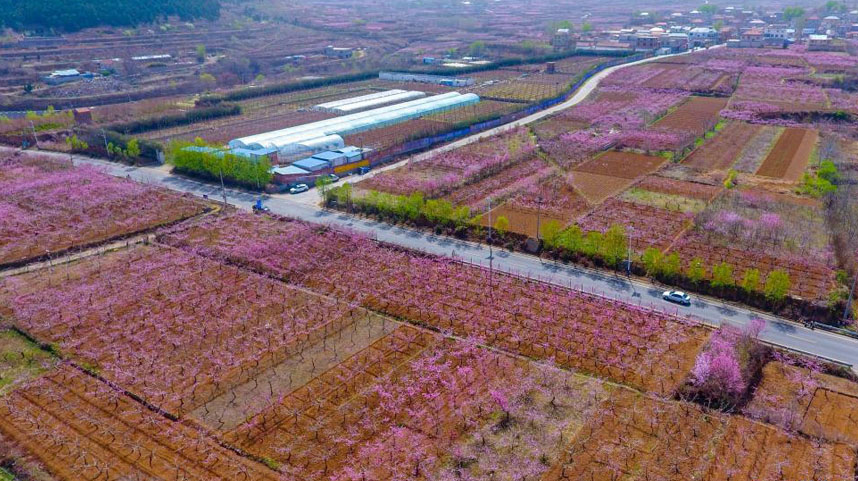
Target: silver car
x,y
677,297
299,188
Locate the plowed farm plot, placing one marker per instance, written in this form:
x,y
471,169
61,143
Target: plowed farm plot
x,y
722,151
80,428
634,434
647,226
803,399
141,317
521,221
621,342
554,197
689,189
696,115
48,207
611,173
790,155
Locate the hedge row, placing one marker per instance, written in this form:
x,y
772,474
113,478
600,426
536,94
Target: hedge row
x,y
176,120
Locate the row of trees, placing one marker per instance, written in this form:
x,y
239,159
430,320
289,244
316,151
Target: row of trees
x,y
212,163
72,15
612,247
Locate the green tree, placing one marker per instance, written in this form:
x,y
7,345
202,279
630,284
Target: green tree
x,y
132,149
438,211
460,216
501,225
615,244
751,280
550,233
696,272
652,258
201,53
76,144
586,27
722,275
477,49
324,183
671,265
343,194
791,13
777,285
708,9
592,244
572,239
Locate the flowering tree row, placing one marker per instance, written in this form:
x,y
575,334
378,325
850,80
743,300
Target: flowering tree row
x,y
48,206
659,440
80,428
135,317
612,339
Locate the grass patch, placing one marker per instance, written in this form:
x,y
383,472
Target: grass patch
x,y
672,202
20,359
6,475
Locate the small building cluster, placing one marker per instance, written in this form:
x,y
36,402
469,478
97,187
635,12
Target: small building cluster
x,y
671,32
425,78
304,152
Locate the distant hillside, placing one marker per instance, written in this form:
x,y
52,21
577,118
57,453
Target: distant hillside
x,y
71,15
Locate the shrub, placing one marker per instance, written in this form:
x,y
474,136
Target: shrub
x,y
730,181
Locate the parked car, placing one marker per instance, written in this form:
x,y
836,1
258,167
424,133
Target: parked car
x,y
299,188
677,297
333,177
363,170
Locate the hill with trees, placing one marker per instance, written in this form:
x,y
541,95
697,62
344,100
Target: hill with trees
x,y
72,15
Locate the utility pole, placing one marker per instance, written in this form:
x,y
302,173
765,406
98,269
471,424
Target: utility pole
x,y
538,215
491,252
629,261
849,302
33,128
222,187
104,136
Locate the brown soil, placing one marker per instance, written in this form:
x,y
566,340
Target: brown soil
x,y
790,155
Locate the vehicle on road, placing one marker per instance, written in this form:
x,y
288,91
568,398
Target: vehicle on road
x,y
363,170
677,297
260,208
299,188
333,177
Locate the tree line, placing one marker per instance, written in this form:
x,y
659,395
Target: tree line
x,y
73,15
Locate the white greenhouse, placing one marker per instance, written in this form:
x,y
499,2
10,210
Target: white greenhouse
x,y
327,134
371,101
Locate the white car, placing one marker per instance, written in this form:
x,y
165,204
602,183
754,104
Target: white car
x,y
677,297
299,188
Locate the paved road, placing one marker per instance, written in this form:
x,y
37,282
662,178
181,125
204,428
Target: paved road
x,y
312,197
710,311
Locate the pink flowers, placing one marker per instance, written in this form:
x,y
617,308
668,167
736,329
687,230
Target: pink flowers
x,y
724,369
49,206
